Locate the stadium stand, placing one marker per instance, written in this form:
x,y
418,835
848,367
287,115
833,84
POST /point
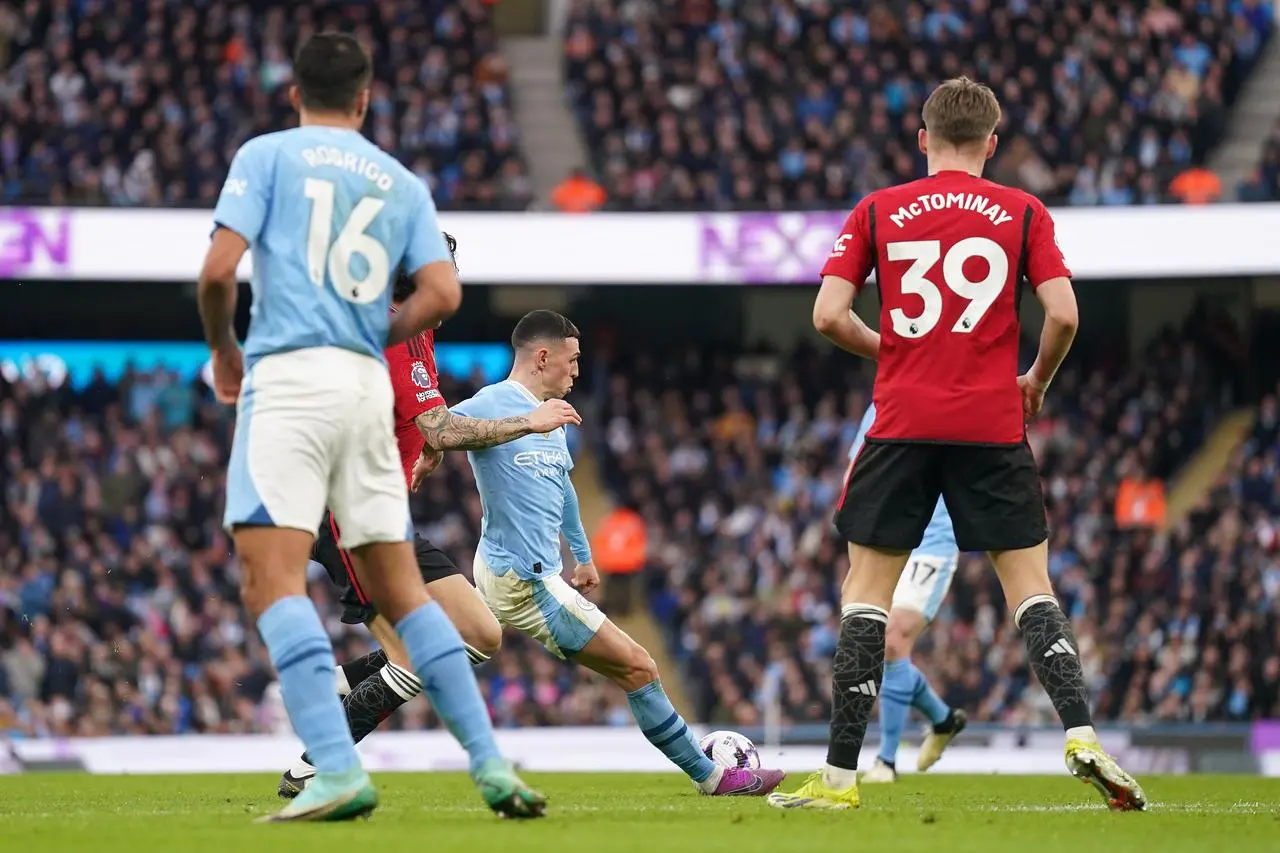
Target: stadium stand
x,y
735,461
785,104
119,606
1264,183
141,102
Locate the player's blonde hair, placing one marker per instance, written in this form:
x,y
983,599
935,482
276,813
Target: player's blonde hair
x,y
961,112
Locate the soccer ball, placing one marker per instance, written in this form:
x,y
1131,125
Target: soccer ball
x,y
730,749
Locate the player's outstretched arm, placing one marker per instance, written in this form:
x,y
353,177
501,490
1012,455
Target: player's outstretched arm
x,y
834,319
446,430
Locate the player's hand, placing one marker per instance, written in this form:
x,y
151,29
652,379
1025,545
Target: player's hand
x,y
553,414
1032,395
425,465
228,373
585,577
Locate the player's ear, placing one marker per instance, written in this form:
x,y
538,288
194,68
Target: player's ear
x,y
991,146
362,103
295,98
922,141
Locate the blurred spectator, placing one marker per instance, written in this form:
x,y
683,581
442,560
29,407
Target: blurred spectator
x,y
143,102
1140,502
618,547
788,104
1264,183
578,193
1196,186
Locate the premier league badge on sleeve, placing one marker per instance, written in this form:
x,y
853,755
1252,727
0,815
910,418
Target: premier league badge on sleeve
x,y
418,373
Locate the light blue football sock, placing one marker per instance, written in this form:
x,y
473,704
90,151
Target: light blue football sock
x,y
668,731
925,699
303,657
895,703
438,656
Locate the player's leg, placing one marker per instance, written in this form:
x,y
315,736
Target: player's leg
x,y
276,482
916,600
370,502
997,506
356,609
611,652
375,696
889,497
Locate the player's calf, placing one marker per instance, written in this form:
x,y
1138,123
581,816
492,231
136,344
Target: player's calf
x,y
615,655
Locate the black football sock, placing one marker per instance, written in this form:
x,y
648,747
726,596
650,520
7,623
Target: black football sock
x,y
361,668
374,699
857,671
948,725
1055,657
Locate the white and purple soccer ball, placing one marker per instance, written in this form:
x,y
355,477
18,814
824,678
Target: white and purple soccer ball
x,y
730,749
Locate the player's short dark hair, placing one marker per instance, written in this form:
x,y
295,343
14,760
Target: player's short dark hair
x,y
542,325
404,282
331,70
961,112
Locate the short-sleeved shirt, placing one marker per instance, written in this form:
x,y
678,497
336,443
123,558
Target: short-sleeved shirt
x,y
522,487
950,253
330,219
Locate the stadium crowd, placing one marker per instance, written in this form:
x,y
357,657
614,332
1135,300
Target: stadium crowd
x,y
1264,183
784,104
119,602
144,102
736,460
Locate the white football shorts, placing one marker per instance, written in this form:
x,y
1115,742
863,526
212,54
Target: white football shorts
x,y
924,583
547,609
315,427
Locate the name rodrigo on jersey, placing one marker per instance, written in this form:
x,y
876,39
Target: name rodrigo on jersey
x,y
945,201
328,155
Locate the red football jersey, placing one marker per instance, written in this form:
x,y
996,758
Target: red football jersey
x,y
950,253
414,379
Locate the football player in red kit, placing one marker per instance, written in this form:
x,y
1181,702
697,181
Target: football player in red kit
x,y
952,255
375,685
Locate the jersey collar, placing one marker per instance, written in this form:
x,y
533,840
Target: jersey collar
x,y
523,390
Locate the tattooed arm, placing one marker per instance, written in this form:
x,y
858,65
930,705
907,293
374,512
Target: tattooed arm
x,y
444,430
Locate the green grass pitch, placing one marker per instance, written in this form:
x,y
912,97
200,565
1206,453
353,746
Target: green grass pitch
x,y
440,813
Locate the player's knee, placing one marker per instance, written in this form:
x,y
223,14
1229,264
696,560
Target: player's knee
x,y
485,637
640,669
900,635
255,592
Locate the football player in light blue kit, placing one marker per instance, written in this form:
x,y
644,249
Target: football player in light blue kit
x,y
528,501
331,219
923,585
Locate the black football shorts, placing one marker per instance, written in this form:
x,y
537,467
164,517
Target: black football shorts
x,y
992,492
433,563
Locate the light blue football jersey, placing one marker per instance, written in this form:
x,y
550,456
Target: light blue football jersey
x,y
330,219
939,537
525,490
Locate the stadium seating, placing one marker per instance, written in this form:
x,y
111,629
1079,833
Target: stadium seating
x,y
1264,183
144,103
779,103
736,462
119,601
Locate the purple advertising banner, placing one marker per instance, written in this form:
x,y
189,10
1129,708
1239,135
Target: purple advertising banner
x,y
766,248
31,237
1266,736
